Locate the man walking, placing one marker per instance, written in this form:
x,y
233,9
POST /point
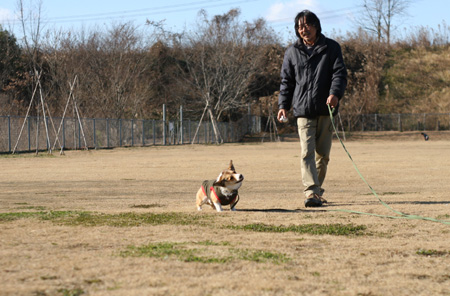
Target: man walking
x,y
313,75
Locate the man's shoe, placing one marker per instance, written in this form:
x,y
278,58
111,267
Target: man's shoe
x,y
323,200
313,201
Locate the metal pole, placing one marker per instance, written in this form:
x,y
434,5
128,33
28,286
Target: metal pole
x,y
64,132
9,133
143,133
95,136
120,132
48,138
107,133
189,130
132,132
164,124
181,123
376,122
29,133
424,121
154,133
249,119
79,134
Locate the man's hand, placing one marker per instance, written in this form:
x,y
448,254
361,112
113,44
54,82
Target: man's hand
x,y
332,100
281,113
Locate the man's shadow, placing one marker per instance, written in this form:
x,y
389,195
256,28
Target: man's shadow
x,y
280,210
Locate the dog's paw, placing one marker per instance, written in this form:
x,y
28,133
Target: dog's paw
x,y
218,206
199,209
233,209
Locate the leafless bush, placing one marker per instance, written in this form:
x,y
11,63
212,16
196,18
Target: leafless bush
x,y
426,37
364,58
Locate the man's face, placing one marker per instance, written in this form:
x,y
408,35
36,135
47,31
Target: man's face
x,y
307,32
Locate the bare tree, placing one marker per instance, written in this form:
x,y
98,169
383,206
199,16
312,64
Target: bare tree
x,y
221,57
378,16
31,21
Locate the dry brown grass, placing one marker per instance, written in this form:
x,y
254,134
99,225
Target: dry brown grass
x,y
124,222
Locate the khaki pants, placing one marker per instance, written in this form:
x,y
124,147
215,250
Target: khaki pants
x,y
315,136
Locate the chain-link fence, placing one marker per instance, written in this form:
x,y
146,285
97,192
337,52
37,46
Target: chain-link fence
x,y
396,122
30,134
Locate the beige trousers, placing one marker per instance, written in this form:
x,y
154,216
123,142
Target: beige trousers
x,y
316,136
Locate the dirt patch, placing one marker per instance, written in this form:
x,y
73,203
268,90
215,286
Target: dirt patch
x,y
124,222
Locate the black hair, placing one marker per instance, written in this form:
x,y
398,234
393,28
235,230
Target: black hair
x,y
310,18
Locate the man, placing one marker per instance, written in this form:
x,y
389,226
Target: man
x,y
313,75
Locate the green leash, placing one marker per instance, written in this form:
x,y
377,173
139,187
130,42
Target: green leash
x,y
400,214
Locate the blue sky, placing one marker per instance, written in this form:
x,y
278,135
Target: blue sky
x,y
336,16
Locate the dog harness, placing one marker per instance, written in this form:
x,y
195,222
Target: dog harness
x,y
207,187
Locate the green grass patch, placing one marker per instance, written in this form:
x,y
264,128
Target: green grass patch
x,y
315,229
146,206
260,256
386,193
211,243
7,217
432,253
183,252
443,217
77,218
26,155
171,251
37,208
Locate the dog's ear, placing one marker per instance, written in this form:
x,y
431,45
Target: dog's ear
x,y
220,181
231,166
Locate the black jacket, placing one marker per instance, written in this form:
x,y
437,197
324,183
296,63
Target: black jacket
x,y
307,81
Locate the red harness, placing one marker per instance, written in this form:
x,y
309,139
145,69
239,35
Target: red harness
x,y
220,197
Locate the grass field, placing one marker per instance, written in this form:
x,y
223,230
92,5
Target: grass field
x,y
124,222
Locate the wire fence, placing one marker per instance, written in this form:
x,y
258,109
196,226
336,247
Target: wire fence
x,y
396,122
21,134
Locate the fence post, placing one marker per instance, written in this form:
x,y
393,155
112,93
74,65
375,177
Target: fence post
x,y
79,134
154,131
362,122
424,121
64,132
107,132
376,122
143,133
189,130
400,128
249,119
120,132
181,123
132,132
164,124
47,141
95,136
9,133
29,133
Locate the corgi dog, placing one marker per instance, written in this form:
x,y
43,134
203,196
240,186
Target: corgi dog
x,y
221,192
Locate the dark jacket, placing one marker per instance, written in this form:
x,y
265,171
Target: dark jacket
x,y
307,81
